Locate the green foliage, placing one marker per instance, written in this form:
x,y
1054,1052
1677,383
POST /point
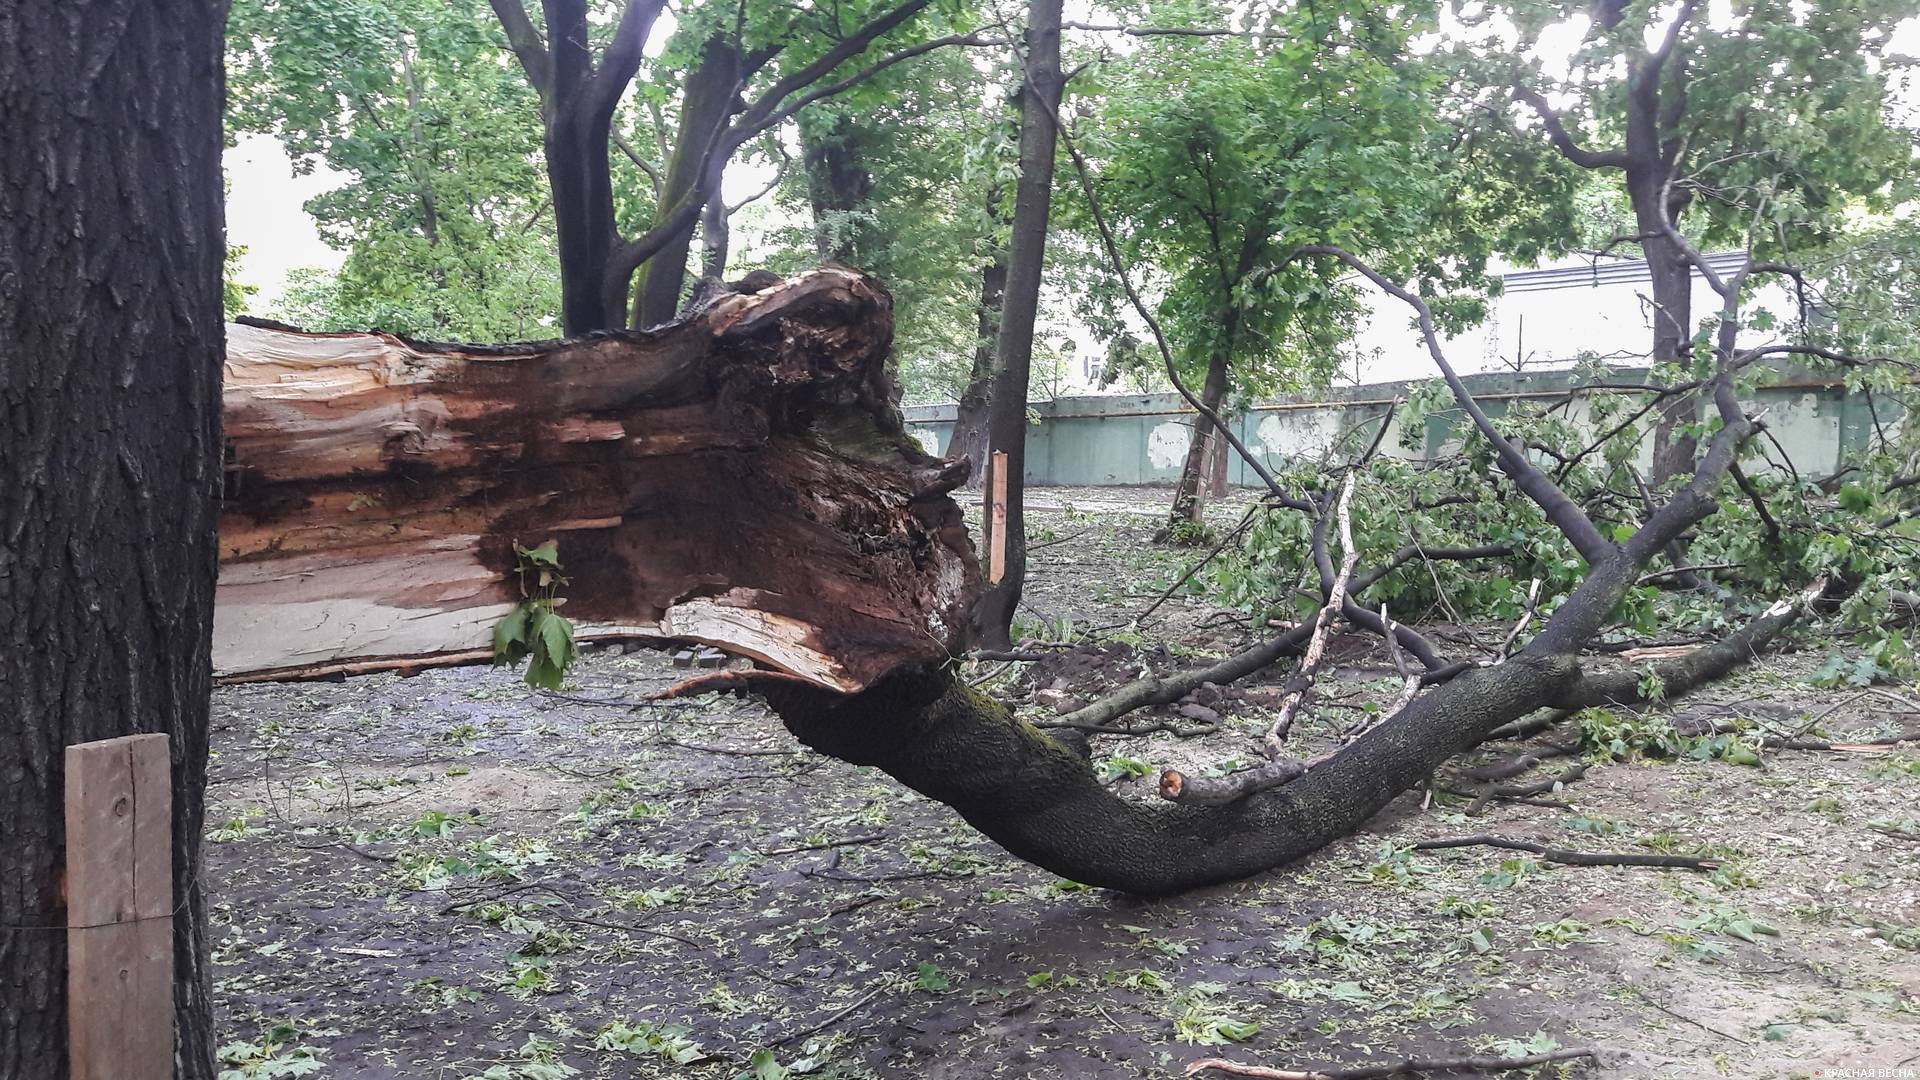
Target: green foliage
x,y
931,979
441,212
533,630
643,1037
1217,156
1198,1019
1635,736
270,1057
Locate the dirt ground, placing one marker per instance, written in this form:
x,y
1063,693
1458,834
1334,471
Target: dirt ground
x,y
453,876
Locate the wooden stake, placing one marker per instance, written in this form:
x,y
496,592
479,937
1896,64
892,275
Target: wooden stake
x,y
119,909
997,511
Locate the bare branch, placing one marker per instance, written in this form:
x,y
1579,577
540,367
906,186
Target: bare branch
x,y
1409,1067
1526,617
1160,31
1561,510
633,155
1563,140
1322,623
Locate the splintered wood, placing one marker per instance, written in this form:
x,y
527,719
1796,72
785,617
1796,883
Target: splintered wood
x,y
739,479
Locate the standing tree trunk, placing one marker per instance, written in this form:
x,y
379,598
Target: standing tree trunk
x,y
1671,278
1026,258
705,108
110,328
969,440
1651,154
1189,498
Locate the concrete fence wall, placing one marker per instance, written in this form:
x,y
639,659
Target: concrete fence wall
x,y
1142,439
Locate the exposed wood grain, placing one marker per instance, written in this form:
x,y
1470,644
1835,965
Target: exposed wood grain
x,y
740,478
997,511
119,815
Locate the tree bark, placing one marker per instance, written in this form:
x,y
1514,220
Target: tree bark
x,y
740,478
1026,259
1189,502
706,104
969,441
579,126
110,316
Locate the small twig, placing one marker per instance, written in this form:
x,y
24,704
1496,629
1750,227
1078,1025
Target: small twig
x,y
643,930
1642,995
1408,1067
824,845
1245,520
1526,617
730,751
1522,791
1574,858
839,1015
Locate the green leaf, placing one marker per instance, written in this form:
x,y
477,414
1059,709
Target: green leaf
x,y
547,554
510,636
765,1067
930,979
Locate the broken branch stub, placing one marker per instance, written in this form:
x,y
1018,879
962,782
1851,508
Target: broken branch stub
x,y
739,478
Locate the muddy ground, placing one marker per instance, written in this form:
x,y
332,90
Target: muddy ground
x,y
453,876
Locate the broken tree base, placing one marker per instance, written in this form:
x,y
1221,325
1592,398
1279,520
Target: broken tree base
x,y
739,478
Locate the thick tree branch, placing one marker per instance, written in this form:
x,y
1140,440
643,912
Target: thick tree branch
x,y
620,61
525,41
1563,140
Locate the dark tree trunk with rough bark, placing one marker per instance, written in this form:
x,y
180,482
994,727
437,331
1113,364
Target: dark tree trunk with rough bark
x,y
706,105
578,105
110,352
969,441
1026,260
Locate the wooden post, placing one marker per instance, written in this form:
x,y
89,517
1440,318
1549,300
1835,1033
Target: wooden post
x,y
997,510
119,909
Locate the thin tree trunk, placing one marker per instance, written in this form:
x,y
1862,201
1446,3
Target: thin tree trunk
x,y
1026,257
1189,497
1669,273
715,233
969,439
705,107
110,444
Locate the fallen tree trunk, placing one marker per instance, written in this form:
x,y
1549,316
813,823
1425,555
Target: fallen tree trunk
x,y
739,478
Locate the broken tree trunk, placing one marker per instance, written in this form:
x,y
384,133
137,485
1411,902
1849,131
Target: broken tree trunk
x,y
739,478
